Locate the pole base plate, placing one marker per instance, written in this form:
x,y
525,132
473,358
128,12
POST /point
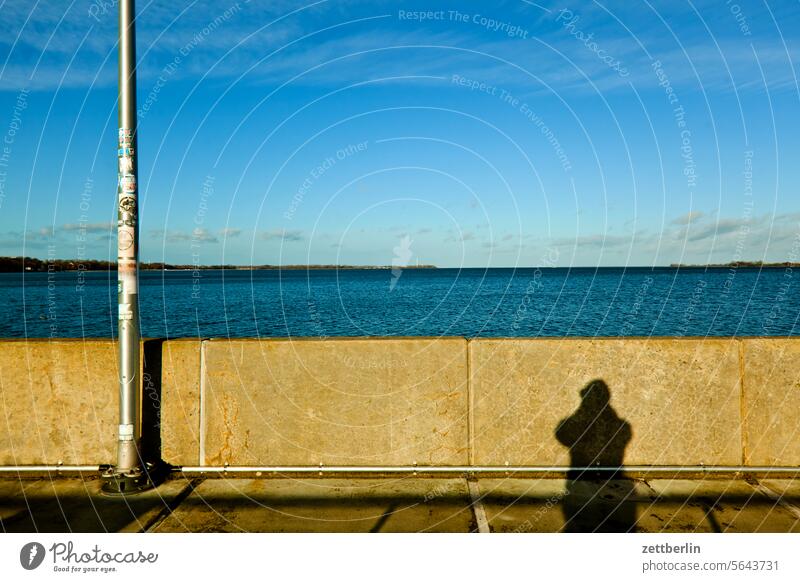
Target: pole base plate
x,y
118,484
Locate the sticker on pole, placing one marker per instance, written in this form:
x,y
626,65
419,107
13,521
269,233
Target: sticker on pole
x,y
124,240
125,137
125,312
126,432
125,165
128,184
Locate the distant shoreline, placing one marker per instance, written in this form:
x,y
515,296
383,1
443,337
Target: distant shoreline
x,y
737,265
33,265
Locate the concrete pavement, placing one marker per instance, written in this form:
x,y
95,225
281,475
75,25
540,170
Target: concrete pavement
x,y
404,504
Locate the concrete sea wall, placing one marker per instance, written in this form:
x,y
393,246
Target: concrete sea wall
x,y
400,401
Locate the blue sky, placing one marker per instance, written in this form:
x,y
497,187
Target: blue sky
x,y
474,134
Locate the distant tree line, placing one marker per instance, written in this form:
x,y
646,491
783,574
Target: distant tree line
x,y
738,265
30,264
16,264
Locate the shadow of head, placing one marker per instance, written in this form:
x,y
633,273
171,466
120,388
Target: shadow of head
x,y
595,394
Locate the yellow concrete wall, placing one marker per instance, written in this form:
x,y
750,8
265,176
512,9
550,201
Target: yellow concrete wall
x,y
180,402
680,397
58,402
337,401
772,401
408,400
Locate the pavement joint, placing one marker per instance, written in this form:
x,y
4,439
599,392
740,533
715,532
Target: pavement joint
x,y
171,506
477,506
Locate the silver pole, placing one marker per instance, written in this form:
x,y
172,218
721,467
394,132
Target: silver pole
x,y
128,246
127,474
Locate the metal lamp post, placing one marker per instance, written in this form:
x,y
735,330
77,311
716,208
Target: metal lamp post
x,y
130,473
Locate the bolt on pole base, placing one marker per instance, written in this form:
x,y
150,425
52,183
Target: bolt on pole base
x,y
117,484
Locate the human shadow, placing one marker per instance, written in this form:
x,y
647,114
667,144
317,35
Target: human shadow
x,y
597,498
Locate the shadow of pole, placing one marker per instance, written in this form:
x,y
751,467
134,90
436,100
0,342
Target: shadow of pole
x,y
151,403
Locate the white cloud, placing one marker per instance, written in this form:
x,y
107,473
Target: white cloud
x,y
688,218
197,235
88,227
281,234
230,232
374,48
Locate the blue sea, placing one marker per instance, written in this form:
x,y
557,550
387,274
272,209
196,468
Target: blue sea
x,y
411,302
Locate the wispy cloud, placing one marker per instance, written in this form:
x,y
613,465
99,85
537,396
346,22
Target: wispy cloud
x,y
281,234
203,235
720,228
196,235
68,240
759,237
230,232
460,236
88,227
362,41
688,218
